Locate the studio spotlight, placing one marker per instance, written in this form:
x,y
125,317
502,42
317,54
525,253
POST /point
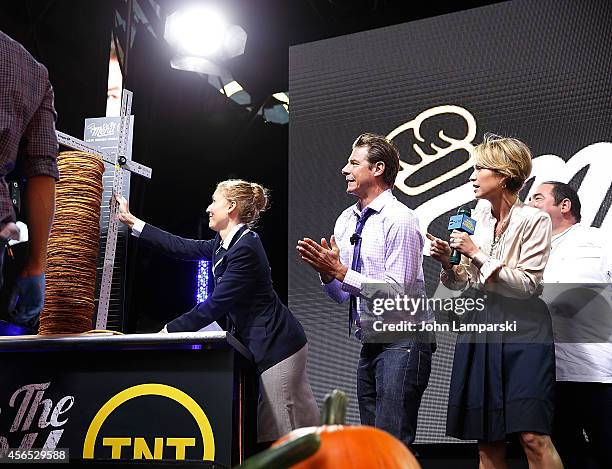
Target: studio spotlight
x,y
203,39
276,108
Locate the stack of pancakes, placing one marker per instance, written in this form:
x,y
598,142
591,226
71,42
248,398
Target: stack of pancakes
x,y
73,245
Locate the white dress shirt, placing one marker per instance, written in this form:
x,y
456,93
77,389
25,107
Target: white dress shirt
x,y
580,255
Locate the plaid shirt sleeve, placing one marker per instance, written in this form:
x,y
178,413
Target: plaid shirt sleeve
x,y
38,147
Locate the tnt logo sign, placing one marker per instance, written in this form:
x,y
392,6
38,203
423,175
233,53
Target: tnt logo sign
x,y
124,442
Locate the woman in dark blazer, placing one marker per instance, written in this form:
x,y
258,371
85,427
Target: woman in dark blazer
x,y
243,292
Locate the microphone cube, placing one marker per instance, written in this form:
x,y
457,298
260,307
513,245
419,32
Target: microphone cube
x,y
462,223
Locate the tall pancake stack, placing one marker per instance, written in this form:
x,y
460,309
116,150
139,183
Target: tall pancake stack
x,y
73,246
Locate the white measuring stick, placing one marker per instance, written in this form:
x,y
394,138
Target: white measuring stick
x,y
77,144
113,223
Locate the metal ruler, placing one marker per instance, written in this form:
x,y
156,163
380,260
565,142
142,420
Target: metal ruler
x,y
120,162
78,144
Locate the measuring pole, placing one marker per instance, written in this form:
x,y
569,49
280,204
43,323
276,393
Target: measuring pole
x,y
121,161
113,223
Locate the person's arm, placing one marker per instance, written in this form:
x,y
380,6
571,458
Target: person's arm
x,y
403,255
40,203
525,279
334,290
452,276
331,285
176,246
455,277
37,163
171,245
237,281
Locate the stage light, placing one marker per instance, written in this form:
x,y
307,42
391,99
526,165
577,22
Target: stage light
x,y
231,88
282,97
190,63
276,108
196,31
202,281
203,39
234,41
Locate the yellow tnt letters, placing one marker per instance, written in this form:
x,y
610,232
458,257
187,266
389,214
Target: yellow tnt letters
x,y
116,444
180,444
141,449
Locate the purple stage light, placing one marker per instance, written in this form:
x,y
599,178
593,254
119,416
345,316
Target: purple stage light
x,y
202,281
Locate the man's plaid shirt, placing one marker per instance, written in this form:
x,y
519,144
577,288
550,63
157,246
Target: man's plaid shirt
x,y
27,119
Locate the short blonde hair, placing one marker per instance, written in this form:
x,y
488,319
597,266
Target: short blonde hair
x,y
250,197
508,156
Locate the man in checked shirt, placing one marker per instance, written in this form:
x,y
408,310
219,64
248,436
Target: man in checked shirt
x,y
377,247
27,142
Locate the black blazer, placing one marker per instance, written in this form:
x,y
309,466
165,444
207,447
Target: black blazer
x,y
243,290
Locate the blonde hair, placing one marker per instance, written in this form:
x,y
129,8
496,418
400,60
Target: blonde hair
x,y
508,156
250,197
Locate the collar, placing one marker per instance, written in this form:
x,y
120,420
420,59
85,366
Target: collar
x,y
377,204
558,236
226,243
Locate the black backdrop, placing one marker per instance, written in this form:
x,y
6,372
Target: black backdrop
x,y
539,71
71,38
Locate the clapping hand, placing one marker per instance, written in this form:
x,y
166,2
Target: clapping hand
x,y
324,258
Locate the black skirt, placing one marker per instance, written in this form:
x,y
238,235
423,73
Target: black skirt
x,y
503,382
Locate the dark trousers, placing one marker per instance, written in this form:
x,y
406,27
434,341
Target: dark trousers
x,y
583,408
391,379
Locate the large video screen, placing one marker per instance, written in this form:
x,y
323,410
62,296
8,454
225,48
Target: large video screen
x,y
538,71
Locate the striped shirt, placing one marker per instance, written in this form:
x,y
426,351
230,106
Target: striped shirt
x,y
391,253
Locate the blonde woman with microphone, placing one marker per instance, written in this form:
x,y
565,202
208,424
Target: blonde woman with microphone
x,y
502,383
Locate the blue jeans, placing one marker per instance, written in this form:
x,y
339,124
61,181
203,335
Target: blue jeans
x,y
391,379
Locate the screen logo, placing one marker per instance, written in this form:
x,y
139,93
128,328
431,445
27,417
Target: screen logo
x,y
592,159
434,152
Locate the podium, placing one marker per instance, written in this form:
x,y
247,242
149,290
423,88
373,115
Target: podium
x,y
130,398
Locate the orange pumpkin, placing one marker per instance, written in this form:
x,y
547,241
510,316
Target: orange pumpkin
x,y
354,447
344,446
335,445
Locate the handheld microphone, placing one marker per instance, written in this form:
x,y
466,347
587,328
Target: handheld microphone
x,y
461,222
